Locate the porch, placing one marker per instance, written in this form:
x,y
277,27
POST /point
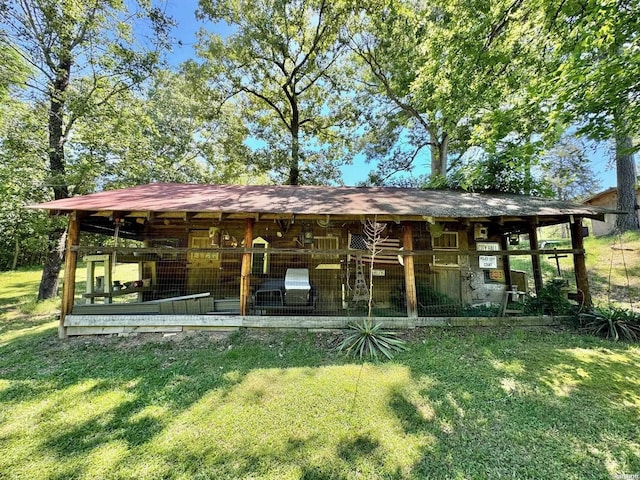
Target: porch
x,y
168,256
182,289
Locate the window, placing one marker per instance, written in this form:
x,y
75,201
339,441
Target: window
x,y
446,241
259,260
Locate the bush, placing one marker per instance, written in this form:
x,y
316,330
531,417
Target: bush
x,y
551,300
612,322
491,310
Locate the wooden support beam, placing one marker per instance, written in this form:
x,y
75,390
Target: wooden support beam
x,y
245,269
409,272
579,265
504,245
70,264
535,256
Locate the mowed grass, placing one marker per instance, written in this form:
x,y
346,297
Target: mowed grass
x,y
460,403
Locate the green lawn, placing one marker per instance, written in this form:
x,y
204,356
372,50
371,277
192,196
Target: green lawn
x,y
460,403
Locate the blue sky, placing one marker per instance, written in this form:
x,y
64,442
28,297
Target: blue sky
x,y
183,11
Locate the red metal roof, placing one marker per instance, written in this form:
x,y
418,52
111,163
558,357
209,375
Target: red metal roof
x,y
315,200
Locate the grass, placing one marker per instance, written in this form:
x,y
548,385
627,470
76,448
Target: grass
x,y
460,403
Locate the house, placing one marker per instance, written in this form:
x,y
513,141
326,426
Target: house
x,y
607,199
168,257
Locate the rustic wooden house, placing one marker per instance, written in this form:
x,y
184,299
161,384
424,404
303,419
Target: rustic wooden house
x,y
168,257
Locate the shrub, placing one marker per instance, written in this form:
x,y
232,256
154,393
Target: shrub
x,y
491,310
369,339
612,322
551,299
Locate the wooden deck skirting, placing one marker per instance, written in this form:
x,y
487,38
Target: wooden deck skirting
x,y
110,324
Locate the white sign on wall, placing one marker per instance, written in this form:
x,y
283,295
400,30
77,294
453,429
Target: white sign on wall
x,y
487,261
488,246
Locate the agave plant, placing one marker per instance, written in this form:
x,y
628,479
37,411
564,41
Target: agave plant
x,y
369,339
612,322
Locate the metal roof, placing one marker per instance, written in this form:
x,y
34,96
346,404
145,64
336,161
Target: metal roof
x,y
317,200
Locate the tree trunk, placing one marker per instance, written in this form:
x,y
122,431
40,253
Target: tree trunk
x,y
51,270
439,152
444,152
294,161
294,166
527,176
16,253
436,157
627,178
49,282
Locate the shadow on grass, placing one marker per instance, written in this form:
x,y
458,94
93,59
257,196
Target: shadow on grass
x,y
514,407
475,404
55,377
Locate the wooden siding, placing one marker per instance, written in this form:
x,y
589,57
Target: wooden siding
x,y
111,324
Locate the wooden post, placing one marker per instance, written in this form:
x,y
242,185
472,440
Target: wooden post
x,y
535,257
580,268
409,272
245,272
506,261
70,264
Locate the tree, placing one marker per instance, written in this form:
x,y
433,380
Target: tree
x,y
594,82
93,39
279,67
162,134
22,182
567,170
447,76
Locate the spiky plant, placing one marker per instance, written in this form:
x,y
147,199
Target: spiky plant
x,y
612,322
370,340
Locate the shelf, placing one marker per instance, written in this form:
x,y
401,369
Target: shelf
x,y
118,293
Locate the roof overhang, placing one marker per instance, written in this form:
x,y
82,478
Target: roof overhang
x,y
188,202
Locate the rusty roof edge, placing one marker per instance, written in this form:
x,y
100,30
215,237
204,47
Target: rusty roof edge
x,y
71,204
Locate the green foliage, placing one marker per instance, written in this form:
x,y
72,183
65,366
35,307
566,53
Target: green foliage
x,y
443,78
504,172
281,69
596,64
551,300
566,168
23,181
612,322
430,301
371,340
492,310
